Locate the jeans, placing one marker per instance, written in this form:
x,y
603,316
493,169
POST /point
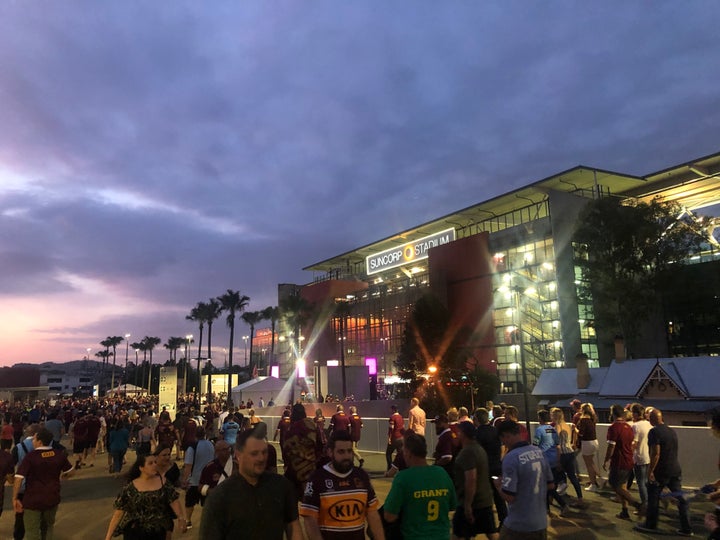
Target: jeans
x,y
396,445
568,462
500,505
39,524
653,510
117,456
641,477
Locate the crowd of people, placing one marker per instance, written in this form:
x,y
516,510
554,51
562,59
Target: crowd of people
x,y
487,471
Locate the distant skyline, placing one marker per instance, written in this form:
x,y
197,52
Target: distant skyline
x,y
153,155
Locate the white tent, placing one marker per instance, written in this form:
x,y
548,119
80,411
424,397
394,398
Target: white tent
x,y
266,388
126,389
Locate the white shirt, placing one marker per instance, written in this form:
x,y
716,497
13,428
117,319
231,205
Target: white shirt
x,y
641,455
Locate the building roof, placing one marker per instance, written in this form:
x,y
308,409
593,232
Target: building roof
x,y
558,382
695,377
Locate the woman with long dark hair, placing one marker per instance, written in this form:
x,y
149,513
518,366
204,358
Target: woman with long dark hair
x,y
142,509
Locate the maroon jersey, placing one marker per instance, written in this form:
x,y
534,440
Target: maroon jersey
x,y
355,427
93,427
283,427
339,422
41,470
397,426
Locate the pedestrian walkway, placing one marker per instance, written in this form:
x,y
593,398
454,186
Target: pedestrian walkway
x,y
87,503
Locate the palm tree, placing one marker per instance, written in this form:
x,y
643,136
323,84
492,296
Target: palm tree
x,y
173,344
103,355
272,314
213,311
296,311
199,315
114,342
107,344
251,318
150,343
138,346
233,302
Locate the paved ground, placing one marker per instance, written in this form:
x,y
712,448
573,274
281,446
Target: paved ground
x,y
88,497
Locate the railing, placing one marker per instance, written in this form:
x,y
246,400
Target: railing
x,y
698,448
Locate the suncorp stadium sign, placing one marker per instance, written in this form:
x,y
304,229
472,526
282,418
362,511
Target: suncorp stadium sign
x,y
416,250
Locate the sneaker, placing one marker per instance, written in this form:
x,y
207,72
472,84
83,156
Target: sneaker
x,y
623,514
643,528
188,525
680,532
579,503
592,488
565,510
562,488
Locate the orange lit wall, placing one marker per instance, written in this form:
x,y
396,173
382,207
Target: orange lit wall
x,y
461,276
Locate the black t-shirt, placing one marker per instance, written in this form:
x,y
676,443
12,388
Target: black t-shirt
x,y
236,508
488,438
668,465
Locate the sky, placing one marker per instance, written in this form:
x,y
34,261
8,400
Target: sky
x,y
155,154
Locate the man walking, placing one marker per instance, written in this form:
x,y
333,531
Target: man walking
x,y
526,477
474,514
396,427
664,471
641,453
619,456
339,421
41,469
196,457
339,499
218,470
421,496
356,426
416,417
254,504
447,444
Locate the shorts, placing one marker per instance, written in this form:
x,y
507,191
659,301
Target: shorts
x,y
92,443
79,446
618,477
589,448
192,496
484,522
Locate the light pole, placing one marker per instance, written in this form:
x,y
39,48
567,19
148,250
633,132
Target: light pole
x,y
245,339
137,371
127,351
523,367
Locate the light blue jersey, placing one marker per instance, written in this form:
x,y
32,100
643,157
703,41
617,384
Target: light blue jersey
x,y
526,475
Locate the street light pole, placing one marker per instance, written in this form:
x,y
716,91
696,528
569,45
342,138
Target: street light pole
x,y
245,339
187,345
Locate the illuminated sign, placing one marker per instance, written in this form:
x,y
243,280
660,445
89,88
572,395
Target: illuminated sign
x,y
416,250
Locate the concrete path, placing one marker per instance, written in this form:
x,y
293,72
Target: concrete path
x,y
87,504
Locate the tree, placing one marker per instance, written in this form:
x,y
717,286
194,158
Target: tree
x,y
199,315
296,311
138,346
624,252
212,313
114,342
251,318
107,344
173,344
104,356
430,339
233,302
271,314
150,343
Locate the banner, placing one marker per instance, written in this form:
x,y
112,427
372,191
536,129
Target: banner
x,y
168,390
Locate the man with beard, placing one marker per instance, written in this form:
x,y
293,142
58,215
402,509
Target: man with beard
x,y
253,504
339,498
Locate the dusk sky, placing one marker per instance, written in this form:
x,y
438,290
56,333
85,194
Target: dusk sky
x,y
155,154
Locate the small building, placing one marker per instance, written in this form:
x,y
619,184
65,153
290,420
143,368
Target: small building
x,y
684,389
21,384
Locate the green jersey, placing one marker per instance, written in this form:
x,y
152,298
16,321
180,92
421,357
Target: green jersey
x,y
422,496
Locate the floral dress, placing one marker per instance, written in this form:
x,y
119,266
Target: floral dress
x,y
146,512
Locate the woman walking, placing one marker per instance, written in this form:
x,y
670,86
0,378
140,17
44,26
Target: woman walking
x,y
142,509
118,443
587,439
567,435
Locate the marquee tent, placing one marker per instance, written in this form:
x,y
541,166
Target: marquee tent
x,y
126,389
266,388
